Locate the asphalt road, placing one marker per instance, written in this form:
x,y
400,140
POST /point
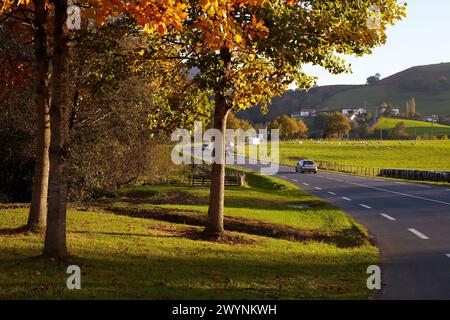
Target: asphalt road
x,y
410,223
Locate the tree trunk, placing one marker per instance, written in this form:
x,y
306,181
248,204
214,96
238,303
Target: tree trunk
x,y
214,224
55,237
38,209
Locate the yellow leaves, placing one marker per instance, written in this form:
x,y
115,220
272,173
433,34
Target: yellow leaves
x,y
6,5
148,29
210,7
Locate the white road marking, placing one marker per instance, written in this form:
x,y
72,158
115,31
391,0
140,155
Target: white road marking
x,y
400,193
306,184
418,234
402,183
388,217
295,180
448,255
283,177
378,180
365,206
317,188
332,193
345,198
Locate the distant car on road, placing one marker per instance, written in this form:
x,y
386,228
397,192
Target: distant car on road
x,y
306,166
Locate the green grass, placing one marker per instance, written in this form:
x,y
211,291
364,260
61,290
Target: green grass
x,y
137,258
421,155
415,127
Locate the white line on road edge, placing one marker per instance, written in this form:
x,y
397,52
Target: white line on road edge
x,y
421,186
365,206
388,217
306,184
317,188
295,180
400,193
345,198
332,193
283,177
419,234
448,255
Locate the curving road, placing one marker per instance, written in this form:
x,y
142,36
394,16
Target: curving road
x,y
410,223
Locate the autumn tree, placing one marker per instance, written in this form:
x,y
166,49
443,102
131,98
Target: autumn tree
x,y
34,15
247,52
399,131
152,16
235,123
333,124
411,108
290,128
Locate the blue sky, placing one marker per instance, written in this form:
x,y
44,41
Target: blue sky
x,y
423,37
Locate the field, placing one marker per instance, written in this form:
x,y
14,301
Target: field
x,y
423,155
415,127
147,244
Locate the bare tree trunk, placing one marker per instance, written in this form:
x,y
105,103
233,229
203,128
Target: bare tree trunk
x,y
38,209
55,237
214,224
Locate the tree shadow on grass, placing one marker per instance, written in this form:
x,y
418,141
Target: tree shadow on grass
x,y
183,276
351,237
185,232
14,231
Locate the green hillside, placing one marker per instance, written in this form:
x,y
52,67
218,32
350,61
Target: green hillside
x,y
414,127
429,85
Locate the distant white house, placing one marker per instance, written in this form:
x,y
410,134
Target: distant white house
x,y
395,111
353,113
430,118
348,112
304,113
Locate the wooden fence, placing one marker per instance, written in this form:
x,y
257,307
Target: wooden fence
x,y
201,175
338,167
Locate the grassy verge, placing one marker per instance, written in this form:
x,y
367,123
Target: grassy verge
x,y
124,256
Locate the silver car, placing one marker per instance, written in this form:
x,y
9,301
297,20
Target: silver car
x,y
306,166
